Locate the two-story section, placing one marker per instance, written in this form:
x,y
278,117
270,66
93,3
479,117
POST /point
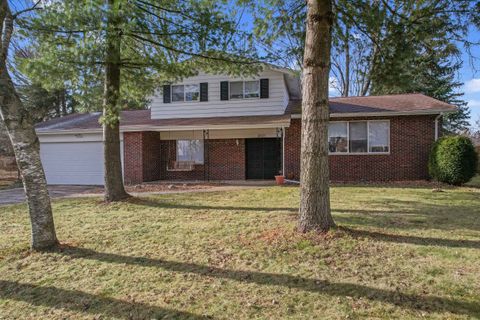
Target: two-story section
x,y
213,95
221,128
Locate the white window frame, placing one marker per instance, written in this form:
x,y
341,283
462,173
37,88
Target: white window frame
x,y
203,147
368,139
348,138
184,92
243,90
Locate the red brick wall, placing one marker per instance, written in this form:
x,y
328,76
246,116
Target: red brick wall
x,y
141,156
151,156
224,160
411,139
292,150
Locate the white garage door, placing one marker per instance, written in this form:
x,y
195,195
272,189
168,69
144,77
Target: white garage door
x,y
73,162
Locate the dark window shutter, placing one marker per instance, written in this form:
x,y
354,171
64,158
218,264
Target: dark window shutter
x,y
204,91
224,90
264,90
166,94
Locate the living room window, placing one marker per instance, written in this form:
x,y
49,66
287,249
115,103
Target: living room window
x,y
358,142
378,136
188,92
244,89
190,150
338,137
359,137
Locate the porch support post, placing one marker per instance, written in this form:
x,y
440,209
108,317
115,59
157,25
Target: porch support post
x,y
283,151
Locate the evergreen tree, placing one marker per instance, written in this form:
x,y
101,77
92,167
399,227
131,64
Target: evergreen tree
x,y
131,47
421,59
380,47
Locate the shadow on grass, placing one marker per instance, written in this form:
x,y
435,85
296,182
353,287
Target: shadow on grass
x,y
444,217
148,202
410,301
424,241
87,303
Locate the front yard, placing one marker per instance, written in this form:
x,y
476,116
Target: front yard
x,y
404,253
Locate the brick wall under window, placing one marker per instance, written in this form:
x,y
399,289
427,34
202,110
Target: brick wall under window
x,y
147,158
141,156
411,138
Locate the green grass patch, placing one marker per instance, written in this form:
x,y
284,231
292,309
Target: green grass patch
x,y
404,253
475,182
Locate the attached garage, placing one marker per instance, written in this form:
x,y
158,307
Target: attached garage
x,y
73,159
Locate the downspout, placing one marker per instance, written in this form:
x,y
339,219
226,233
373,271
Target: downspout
x,y
437,131
283,151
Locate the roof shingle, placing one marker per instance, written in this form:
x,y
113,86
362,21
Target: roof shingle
x,y
132,118
413,102
405,103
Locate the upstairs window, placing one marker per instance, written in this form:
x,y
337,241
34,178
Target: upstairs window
x,y
188,92
244,89
359,137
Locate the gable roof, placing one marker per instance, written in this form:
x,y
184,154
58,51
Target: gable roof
x,y
138,120
413,103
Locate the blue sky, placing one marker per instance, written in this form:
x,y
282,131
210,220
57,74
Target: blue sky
x,y
470,76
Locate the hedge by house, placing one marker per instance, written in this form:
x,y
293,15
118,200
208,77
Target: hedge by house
x,y
453,160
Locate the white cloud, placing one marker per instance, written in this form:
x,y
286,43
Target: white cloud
x,y
473,103
472,86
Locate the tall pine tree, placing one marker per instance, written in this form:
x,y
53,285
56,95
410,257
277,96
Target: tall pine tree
x,y
131,47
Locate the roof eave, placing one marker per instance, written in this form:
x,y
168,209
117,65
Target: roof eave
x,y
381,114
137,128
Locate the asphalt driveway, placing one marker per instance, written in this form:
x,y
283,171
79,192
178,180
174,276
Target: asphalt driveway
x,y
11,196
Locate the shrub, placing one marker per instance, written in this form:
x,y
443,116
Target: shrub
x,y
453,160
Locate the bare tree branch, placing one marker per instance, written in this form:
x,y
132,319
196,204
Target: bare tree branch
x,y
34,7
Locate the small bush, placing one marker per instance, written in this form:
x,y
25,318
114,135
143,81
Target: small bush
x,y
453,160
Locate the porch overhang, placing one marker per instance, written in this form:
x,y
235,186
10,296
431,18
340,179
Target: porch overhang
x,y
137,124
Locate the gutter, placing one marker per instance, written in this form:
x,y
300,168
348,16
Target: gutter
x,y
381,114
137,128
437,130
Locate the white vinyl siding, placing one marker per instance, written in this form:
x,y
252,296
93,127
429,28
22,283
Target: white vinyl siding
x,y
214,107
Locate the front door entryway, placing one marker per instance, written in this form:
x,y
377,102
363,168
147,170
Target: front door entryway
x,y
264,158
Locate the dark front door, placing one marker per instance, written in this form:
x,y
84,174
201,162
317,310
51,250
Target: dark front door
x,y
263,158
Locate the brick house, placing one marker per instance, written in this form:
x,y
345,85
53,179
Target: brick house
x,y
216,127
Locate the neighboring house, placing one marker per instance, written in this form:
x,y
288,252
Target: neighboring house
x,y
213,127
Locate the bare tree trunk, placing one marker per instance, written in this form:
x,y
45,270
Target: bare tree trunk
x,y
26,146
315,193
63,100
368,76
114,188
346,90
